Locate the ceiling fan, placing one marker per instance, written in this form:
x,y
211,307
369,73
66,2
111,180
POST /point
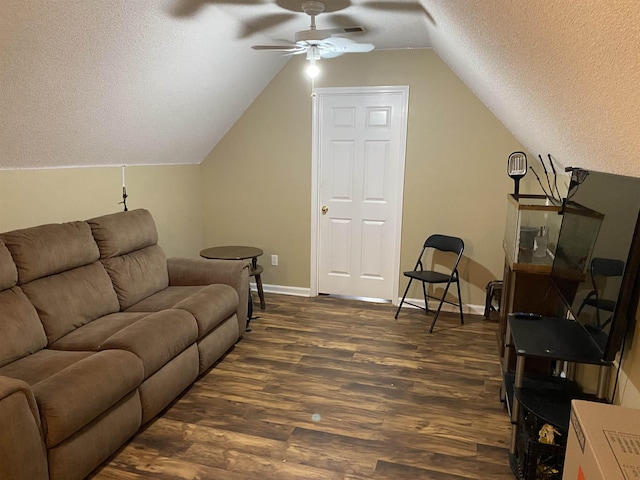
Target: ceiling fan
x,y
317,44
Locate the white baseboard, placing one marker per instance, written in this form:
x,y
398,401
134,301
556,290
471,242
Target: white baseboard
x,y
306,292
446,307
283,289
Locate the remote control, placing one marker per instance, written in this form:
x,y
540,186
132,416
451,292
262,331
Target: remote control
x,y
526,315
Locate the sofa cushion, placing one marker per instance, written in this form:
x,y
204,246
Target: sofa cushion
x,y
21,332
73,298
74,388
42,364
138,274
123,232
128,243
23,454
82,452
210,304
156,339
50,249
8,270
89,337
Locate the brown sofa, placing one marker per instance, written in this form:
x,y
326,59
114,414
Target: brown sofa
x,y
99,332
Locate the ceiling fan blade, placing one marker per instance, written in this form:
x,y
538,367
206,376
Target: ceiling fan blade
x,y
265,22
401,6
331,49
331,53
345,45
278,48
299,51
187,8
412,6
361,48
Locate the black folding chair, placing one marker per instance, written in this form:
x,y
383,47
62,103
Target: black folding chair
x,y
601,267
442,243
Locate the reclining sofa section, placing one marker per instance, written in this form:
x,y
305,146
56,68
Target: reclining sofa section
x,y
99,332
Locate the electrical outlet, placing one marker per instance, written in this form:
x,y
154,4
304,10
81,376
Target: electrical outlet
x,y
274,260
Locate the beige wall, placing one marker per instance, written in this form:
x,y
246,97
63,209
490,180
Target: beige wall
x,y
255,187
455,179
171,193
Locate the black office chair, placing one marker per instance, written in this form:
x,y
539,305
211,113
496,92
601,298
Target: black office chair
x,y
601,267
434,243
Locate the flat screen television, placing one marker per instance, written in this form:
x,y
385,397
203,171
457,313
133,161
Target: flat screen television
x,y
597,256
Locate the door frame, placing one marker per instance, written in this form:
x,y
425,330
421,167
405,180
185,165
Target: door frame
x,y
315,176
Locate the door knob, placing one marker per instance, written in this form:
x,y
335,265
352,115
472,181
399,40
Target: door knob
x,y
325,209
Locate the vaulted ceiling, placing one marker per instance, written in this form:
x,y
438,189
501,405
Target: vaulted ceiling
x,y
111,82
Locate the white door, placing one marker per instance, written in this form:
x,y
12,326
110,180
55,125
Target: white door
x,y
359,153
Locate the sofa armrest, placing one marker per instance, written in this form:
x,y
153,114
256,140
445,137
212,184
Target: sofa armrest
x,y
23,454
200,271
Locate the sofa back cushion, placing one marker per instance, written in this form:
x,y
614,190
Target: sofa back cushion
x,y
123,232
21,332
129,250
8,270
50,249
71,299
59,271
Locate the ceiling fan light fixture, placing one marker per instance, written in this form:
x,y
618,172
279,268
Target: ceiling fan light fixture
x,y
313,70
313,55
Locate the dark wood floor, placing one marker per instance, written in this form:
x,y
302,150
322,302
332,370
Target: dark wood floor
x,y
329,388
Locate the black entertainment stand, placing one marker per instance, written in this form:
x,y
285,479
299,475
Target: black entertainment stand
x,y
534,400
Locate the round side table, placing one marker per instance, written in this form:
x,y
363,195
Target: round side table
x,y
238,252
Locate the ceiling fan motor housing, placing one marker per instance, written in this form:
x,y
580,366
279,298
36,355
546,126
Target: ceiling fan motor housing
x,y
312,8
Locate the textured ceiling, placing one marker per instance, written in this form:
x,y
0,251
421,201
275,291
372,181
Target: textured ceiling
x,y
564,77
110,82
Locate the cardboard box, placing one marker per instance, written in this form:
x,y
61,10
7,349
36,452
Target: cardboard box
x,y
603,443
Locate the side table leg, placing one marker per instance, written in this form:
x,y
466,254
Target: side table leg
x,y
260,291
515,409
256,273
249,310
